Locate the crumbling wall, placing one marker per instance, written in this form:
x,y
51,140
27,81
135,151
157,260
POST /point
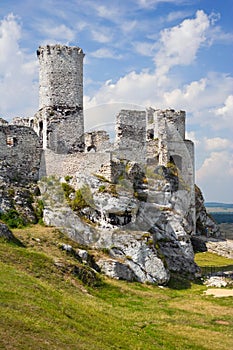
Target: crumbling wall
x,y
130,140
61,129
19,154
96,141
174,123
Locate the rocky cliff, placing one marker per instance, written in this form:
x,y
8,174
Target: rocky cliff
x,y
141,221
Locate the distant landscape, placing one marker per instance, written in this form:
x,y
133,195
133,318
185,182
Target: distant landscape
x,y
221,212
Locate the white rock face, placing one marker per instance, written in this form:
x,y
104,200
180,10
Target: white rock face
x,y
132,251
215,281
145,239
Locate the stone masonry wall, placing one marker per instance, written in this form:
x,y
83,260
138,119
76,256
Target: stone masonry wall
x,y
61,76
174,123
70,164
130,140
96,141
19,154
60,130
59,121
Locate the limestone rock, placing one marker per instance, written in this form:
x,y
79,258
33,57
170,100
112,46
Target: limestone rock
x,y
133,251
215,281
223,247
205,224
5,232
116,269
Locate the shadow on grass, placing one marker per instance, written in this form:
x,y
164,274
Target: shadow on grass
x,y
12,240
179,282
15,241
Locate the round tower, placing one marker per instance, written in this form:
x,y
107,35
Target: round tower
x,y
60,76
59,121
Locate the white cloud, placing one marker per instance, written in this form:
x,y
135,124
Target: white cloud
x,y
217,143
227,110
175,15
108,12
153,3
105,53
180,44
103,36
191,135
199,97
18,72
10,33
128,26
144,48
215,176
60,33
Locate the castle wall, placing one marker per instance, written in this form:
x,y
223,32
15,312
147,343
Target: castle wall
x,y
19,154
152,152
130,140
61,131
69,164
96,141
174,122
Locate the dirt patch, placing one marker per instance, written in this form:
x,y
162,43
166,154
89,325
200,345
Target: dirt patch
x,y
222,322
219,293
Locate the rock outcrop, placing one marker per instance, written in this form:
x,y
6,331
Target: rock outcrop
x,y
206,225
5,232
142,222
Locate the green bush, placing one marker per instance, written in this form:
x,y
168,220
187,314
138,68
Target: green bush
x,y
79,201
12,218
82,197
67,189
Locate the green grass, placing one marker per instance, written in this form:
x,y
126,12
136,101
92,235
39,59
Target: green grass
x,y
44,307
213,262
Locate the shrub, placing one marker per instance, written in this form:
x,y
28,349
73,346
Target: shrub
x,y
79,201
67,189
12,218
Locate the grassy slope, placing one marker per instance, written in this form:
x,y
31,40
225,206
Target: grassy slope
x,y
44,307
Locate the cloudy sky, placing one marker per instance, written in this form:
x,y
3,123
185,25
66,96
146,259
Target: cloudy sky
x,y
159,53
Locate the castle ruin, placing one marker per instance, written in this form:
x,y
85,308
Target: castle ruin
x,y
54,142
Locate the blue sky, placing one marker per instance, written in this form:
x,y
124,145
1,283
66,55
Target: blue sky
x,y
159,53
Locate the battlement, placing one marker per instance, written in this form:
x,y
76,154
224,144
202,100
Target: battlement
x,y
57,49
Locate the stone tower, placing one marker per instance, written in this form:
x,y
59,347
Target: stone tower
x,y
59,121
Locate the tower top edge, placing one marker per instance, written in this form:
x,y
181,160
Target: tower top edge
x,y
58,48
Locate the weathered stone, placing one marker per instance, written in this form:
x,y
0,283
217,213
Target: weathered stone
x,y
5,232
198,244
205,224
215,281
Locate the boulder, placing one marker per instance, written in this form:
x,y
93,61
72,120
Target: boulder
x,y
5,231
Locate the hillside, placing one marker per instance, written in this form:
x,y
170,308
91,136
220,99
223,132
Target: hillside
x,y
44,305
218,205
221,212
